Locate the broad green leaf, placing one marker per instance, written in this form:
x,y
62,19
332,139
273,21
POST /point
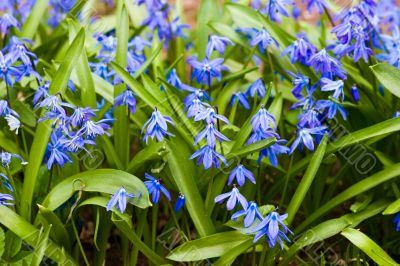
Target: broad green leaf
x,y
43,131
182,170
124,228
35,16
306,180
209,247
393,208
2,241
41,245
379,130
364,185
366,244
30,235
12,246
8,144
332,227
101,180
389,76
58,232
229,257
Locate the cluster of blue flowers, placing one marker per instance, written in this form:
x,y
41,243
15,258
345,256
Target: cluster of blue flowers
x,y
73,127
159,21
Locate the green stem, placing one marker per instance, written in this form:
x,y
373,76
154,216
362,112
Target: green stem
x,y
263,255
80,244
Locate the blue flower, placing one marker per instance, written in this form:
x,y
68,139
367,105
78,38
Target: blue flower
x,y
234,198
56,152
210,116
326,64
6,182
138,43
119,199
180,202
126,98
354,93
304,138
173,79
264,120
6,70
273,151
300,82
155,188
6,157
319,5
217,43
241,98
263,39
396,221
208,156
205,70
251,213
195,107
92,129
18,51
310,118
13,123
4,198
276,7
7,21
259,135
157,126
258,87
335,86
41,93
240,173
211,134
5,109
271,227
332,108
81,115
300,50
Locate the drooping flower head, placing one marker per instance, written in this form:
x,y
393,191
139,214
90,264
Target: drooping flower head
x,y
234,197
120,200
155,188
157,126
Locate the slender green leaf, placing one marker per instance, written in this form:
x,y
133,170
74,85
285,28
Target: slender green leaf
x,y
306,180
35,16
248,149
366,244
30,235
152,152
58,232
209,10
41,246
332,227
366,184
182,170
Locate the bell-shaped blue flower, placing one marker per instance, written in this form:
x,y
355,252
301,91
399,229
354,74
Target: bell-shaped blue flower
x,y
396,221
155,188
211,134
4,198
263,39
126,98
234,197
263,120
250,214
335,86
240,173
273,228
156,126
241,98
208,156
180,202
217,43
304,138
258,87
120,200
